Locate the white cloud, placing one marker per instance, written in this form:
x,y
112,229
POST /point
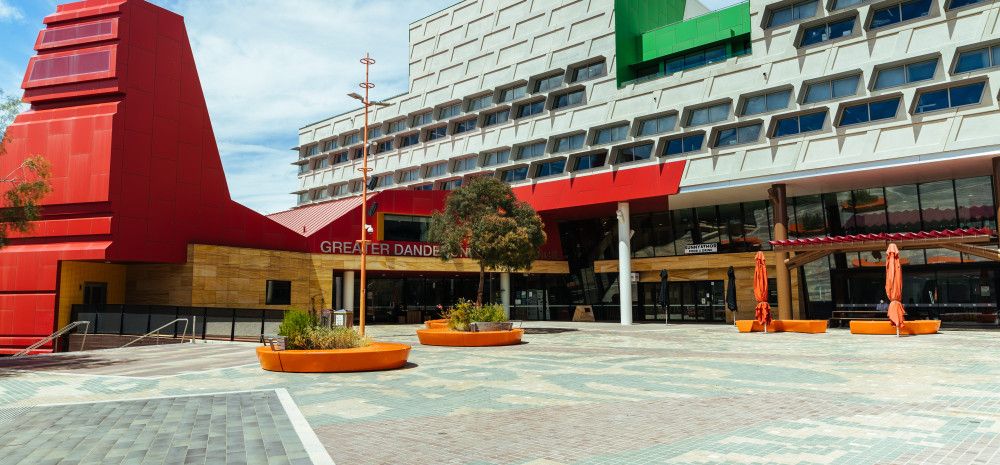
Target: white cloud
x,y
9,12
269,68
719,4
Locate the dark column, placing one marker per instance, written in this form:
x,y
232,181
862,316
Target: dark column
x,y
996,188
779,206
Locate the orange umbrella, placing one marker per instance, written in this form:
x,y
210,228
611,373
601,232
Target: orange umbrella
x,y
763,311
894,287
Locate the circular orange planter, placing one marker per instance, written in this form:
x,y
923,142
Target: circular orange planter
x,y
436,324
375,357
447,337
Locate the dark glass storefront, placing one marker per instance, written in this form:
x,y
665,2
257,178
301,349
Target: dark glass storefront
x,y
408,298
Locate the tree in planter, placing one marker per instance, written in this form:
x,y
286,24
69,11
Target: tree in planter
x,y
26,185
486,222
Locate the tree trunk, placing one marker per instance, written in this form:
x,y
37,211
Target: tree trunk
x,y
479,295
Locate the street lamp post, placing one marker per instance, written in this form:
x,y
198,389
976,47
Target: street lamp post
x,y
365,228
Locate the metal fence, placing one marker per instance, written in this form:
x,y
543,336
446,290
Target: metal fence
x,y
206,322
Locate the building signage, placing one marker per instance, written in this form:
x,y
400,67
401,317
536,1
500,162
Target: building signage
x,y
393,249
691,249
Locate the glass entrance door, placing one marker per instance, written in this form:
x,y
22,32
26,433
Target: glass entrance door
x,y
697,301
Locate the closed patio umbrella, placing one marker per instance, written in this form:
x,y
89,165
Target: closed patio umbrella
x,y
664,297
731,292
894,287
762,313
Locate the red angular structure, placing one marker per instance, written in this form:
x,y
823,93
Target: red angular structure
x,y
118,110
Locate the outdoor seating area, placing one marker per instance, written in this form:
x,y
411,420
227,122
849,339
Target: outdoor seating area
x,y
910,328
783,326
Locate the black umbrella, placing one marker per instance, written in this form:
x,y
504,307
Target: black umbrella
x,y
731,291
664,298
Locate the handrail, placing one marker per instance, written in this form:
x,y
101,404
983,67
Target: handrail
x,y
157,331
50,337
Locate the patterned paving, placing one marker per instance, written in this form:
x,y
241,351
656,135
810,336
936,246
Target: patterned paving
x,y
602,394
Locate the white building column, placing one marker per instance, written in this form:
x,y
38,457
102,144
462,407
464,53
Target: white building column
x,y
349,290
624,263
505,293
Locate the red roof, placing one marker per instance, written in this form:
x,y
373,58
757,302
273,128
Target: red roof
x,y
307,220
903,236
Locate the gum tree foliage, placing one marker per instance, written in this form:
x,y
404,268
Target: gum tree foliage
x,y
483,220
24,187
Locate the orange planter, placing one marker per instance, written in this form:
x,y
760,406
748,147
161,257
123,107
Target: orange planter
x,y
375,357
436,324
447,337
783,326
910,328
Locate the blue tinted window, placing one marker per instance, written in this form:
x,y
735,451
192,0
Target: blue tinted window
x,y
684,144
977,59
738,135
589,161
906,74
829,31
854,114
786,126
966,95
871,111
930,101
900,12
529,109
921,71
799,124
961,3
550,168
885,17
884,109
516,174
638,152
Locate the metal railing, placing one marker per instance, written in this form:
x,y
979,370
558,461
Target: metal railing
x,y
53,336
157,332
206,322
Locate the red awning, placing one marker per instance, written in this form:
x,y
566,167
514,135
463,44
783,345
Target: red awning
x,y
891,237
307,220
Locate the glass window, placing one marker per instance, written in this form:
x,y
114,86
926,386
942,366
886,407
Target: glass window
x,y
903,208
708,224
828,31
975,202
794,12
531,151
949,98
836,88
757,224
937,203
610,135
497,117
548,83
340,157
312,150
799,124
358,153
322,163
839,4
588,72
384,180
436,169
567,143
807,217
899,12
588,161
495,158
396,126
383,146
684,144
451,185
869,210
374,132
421,119
530,108
513,93
707,56
464,164
731,228
449,111
975,59
657,125
304,168
465,126
424,187
278,293
663,235
329,145
478,103
709,115
767,102
408,175
515,174
960,3
684,229
409,139
635,153
550,168
303,197
869,111
905,74
565,100
738,135
437,133
340,189
405,228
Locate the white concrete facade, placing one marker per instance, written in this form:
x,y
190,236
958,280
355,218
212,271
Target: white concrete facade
x,y
481,47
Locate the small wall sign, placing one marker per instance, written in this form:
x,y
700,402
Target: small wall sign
x,y
692,249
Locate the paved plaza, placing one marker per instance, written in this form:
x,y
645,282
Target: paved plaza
x,y
574,393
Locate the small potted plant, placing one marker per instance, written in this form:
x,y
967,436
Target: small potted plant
x,y
466,316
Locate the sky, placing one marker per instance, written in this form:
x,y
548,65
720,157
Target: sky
x,y
266,71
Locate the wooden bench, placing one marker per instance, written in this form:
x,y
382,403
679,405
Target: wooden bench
x,y
884,327
783,326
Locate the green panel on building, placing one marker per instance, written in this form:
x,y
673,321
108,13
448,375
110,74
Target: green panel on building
x,y
679,37
632,18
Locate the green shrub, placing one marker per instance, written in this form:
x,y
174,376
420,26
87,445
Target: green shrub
x,y
301,333
465,312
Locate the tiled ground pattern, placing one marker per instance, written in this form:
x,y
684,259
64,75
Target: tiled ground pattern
x,y
248,428
603,394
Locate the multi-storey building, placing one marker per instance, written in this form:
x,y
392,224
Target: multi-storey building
x,y
867,116
656,139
